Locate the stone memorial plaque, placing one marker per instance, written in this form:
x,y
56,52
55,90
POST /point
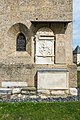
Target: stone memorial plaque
x,y
52,80
14,84
45,51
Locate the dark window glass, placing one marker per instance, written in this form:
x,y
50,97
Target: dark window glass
x,y
21,42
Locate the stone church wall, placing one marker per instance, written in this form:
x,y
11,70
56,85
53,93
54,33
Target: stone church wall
x,y
28,17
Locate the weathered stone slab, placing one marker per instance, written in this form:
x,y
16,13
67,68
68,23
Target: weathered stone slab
x,y
57,92
14,84
44,51
16,90
45,46
73,91
44,91
4,91
29,88
53,79
60,51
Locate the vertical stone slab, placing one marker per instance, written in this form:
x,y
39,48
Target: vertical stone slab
x,y
68,33
60,56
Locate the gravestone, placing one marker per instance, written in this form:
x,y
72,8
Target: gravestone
x,y
53,79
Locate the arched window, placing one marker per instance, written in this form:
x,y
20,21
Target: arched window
x,y
21,42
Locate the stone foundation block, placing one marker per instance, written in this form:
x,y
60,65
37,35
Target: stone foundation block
x,y
16,91
43,91
57,92
4,91
33,96
24,92
43,96
73,91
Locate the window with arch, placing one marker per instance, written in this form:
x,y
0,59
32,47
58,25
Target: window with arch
x,y
21,42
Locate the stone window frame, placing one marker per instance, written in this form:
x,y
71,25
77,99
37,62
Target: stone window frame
x,y
19,42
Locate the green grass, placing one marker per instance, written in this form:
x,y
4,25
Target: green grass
x,y
78,78
40,111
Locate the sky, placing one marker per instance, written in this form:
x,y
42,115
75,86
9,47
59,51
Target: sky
x,y
76,23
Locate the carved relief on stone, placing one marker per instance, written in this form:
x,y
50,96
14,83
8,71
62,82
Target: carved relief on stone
x,y
45,51
45,48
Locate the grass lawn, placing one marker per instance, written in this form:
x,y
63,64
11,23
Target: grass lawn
x,y
78,77
40,111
